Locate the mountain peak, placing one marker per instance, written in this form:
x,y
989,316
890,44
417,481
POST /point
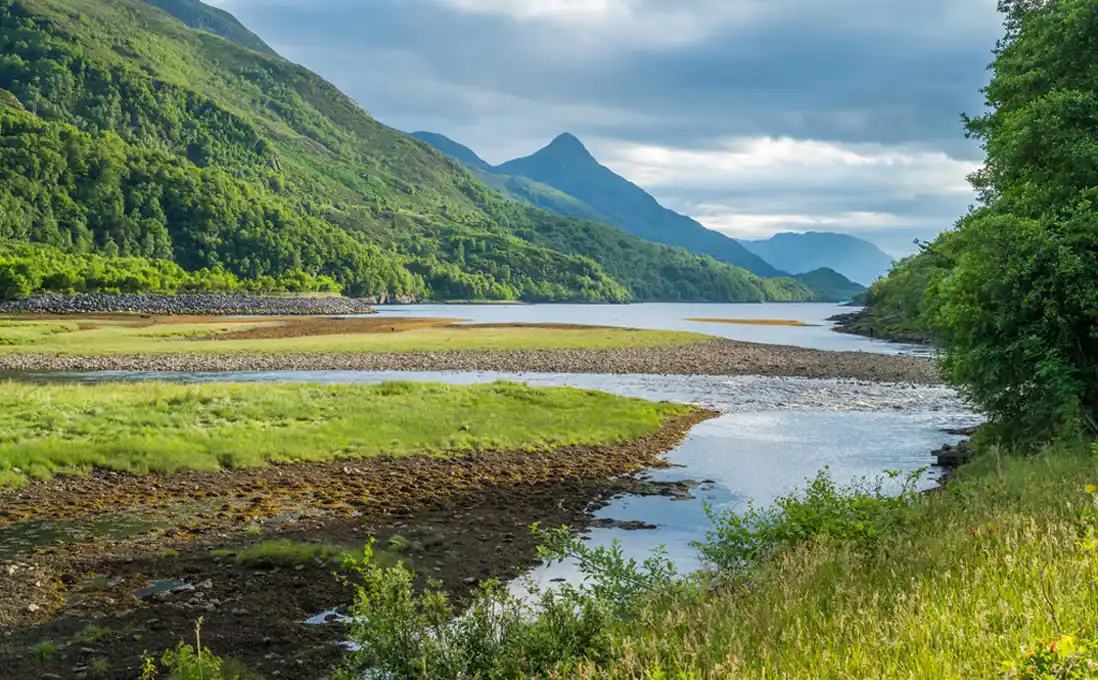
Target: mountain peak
x,y
568,144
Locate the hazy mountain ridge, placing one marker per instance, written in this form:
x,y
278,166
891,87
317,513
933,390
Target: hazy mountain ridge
x,y
855,258
566,166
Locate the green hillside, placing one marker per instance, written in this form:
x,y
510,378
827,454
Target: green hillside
x,y
127,133
831,284
198,14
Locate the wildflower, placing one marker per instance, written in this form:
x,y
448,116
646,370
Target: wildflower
x,y
1066,645
1090,488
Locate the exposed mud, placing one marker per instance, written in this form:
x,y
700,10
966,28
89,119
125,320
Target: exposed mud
x,y
314,326
462,520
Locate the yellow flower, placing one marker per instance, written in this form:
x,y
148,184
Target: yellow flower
x,y
1090,488
1066,646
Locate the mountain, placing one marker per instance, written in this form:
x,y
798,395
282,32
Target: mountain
x,y
854,258
521,189
831,284
459,152
126,133
203,17
566,164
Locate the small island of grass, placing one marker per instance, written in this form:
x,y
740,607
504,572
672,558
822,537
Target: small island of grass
x,y
50,430
134,335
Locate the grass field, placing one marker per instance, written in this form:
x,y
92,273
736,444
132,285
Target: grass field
x,y
70,429
998,578
105,336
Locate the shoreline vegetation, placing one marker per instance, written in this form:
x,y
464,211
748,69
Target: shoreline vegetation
x,y
867,323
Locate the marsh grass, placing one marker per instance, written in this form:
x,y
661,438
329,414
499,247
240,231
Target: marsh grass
x,y
46,430
107,337
975,579
283,552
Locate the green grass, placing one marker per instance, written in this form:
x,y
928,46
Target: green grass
x,y
153,427
91,634
1006,558
285,552
107,338
45,650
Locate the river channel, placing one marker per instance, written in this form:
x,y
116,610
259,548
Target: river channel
x,y
772,436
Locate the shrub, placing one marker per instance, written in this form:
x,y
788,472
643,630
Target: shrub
x,y
407,634
859,514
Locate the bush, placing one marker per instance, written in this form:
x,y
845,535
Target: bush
x,y
185,662
407,634
860,515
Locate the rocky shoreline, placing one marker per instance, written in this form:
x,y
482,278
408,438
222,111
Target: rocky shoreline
x,y
863,323
186,305
720,357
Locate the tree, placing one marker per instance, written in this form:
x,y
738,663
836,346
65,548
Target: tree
x,y
1019,311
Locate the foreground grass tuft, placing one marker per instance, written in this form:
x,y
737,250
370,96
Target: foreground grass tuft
x,y
285,552
155,427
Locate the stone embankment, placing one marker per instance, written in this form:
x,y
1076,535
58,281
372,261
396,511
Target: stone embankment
x,y
721,357
185,305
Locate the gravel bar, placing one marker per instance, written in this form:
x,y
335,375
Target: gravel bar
x,y
721,357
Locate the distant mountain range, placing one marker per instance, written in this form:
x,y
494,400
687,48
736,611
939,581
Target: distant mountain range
x,y
564,178
854,258
594,192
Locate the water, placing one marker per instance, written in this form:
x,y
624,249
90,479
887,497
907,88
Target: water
x,y
673,316
25,536
774,433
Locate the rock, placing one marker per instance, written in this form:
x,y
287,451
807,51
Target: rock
x,y
32,608
607,523
239,611
954,456
962,431
205,585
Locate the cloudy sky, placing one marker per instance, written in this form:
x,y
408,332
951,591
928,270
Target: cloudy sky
x,y
753,116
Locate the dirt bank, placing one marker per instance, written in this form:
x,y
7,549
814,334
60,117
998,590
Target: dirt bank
x,y
719,357
464,519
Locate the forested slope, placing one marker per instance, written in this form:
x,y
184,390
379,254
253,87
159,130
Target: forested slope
x,y
125,132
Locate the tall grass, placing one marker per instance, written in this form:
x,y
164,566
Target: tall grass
x,y
977,577
996,576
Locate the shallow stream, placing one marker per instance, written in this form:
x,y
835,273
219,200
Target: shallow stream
x,y
773,435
